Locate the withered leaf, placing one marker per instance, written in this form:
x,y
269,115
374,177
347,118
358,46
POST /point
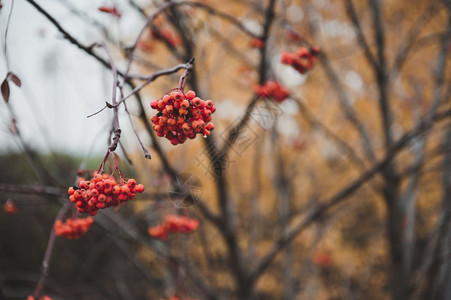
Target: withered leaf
x,y
5,90
14,78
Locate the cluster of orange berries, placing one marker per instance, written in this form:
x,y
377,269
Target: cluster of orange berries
x,y
257,43
173,223
322,260
181,116
101,191
10,207
73,228
274,90
45,297
303,60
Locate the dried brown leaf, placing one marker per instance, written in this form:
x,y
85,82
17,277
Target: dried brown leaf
x,y
14,78
5,90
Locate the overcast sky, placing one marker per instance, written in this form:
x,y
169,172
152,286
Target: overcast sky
x,y
60,84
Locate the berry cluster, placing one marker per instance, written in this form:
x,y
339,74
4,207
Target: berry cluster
x,y
274,90
173,223
73,228
322,260
303,60
45,297
101,191
257,43
181,116
10,207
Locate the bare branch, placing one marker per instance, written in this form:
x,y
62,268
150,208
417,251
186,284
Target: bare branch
x,y
352,14
406,46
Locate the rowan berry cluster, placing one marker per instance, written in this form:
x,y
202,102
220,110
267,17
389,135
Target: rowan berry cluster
x,y
181,116
101,191
274,90
45,297
10,207
173,223
303,60
257,43
73,228
322,260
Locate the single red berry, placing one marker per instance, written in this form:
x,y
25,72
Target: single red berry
x,y
71,190
131,182
184,104
210,126
125,190
209,103
178,96
190,95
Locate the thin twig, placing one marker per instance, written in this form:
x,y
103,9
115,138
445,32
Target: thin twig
x,y
352,14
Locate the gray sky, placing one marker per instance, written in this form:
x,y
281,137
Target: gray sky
x,y
60,84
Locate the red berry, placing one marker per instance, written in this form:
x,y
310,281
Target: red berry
x,y
71,191
190,95
209,103
184,104
131,182
178,96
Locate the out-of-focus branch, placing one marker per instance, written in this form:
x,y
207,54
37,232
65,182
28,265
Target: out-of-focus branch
x,y
409,197
407,45
395,210
316,123
76,11
349,111
441,286
409,201
284,191
224,16
381,70
31,189
269,18
352,14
